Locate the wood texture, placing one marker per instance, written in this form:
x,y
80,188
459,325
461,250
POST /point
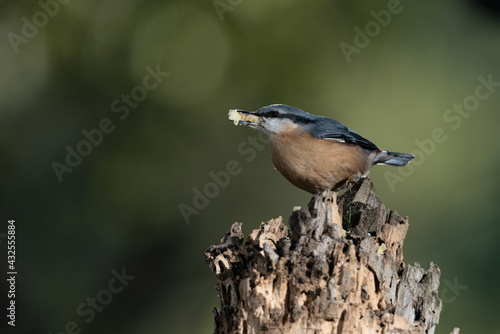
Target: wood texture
x,y
337,269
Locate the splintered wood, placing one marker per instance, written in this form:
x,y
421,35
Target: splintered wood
x,y
338,269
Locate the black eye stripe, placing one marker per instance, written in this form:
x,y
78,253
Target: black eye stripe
x,y
273,114
293,118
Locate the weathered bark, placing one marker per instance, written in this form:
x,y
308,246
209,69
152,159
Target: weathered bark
x,y
337,269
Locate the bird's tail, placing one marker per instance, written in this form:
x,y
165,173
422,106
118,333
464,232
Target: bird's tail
x,y
392,158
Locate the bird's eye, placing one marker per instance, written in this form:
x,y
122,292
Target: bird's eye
x,y
274,114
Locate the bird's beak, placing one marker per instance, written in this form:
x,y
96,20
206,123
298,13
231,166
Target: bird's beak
x,y
244,117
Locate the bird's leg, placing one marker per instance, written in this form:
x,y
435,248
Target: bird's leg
x,y
351,181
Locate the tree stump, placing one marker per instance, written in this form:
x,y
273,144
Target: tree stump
x,y
338,269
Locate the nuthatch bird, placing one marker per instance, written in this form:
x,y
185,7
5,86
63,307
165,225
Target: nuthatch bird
x,y
315,153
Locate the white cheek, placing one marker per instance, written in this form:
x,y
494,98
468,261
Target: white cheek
x,y
273,125
278,125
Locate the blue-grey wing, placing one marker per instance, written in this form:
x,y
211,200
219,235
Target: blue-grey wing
x,y
328,128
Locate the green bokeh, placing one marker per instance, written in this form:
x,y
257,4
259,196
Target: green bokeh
x,y
119,207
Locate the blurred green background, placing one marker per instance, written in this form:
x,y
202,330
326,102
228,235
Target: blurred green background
x,y
78,63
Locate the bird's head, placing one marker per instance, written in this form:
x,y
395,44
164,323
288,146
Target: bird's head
x,y
273,119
